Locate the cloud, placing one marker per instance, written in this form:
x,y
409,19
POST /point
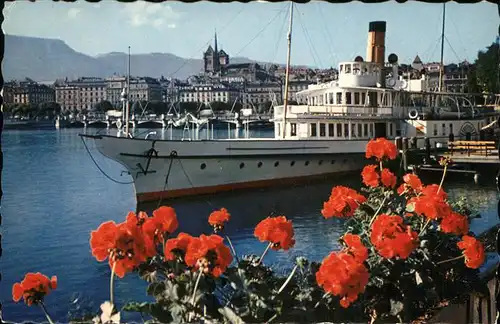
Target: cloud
x,y
157,15
73,13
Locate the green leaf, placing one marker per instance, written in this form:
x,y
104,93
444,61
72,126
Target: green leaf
x,y
396,307
230,315
410,207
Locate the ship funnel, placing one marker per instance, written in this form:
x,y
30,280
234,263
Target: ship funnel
x,y
375,51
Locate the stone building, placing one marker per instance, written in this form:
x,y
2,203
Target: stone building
x,y
81,94
27,92
141,89
214,60
206,93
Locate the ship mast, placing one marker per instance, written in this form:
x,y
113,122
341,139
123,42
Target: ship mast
x,y
441,67
287,72
127,110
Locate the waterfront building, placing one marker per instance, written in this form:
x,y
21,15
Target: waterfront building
x,y
141,89
27,92
81,94
206,93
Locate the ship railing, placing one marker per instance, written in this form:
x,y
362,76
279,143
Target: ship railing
x,y
472,147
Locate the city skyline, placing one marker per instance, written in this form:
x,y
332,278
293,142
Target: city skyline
x,y
319,39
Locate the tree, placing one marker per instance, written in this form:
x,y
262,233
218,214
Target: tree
x,y
484,76
219,106
191,107
103,106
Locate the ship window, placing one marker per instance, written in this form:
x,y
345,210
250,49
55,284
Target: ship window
x,y
348,98
346,130
313,130
242,165
259,164
331,131
330,98
356,98
371,130
203,166
322,130
353,130
307,163
341,68
451,128
348,68
320,162
366,130
391,129
292,163
293,129
339,130
435,129
339,98
360,130
276,163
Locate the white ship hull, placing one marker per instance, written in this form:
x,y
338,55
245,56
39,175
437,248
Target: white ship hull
x,y
204,167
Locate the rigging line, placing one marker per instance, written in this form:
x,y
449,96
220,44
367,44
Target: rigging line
x,y
278,43
191,183
425,55
260,32
207,43
102,171
173,155
326,33
451,47
434,51
312,49
458,33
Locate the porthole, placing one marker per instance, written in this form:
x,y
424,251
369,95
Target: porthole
x,y
203,166
259,164
292,163
307,163
242,165
320,162
276,163
332,162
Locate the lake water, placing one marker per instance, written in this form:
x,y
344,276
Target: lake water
x,y
54,196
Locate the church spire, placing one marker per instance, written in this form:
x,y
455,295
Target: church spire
x,y
216,54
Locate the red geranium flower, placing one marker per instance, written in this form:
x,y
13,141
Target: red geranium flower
x,y
340,274
343,202
163,223
473,250
455,223
218,218
176,246
33,288
381,149
210,253
391,238
388,178
431,203
370,176
355,247
276,230
122,244
411,185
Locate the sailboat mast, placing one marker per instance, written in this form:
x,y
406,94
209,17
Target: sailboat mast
x,y
127,111
287,72
441,66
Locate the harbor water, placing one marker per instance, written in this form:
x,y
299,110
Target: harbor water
x,y
54,196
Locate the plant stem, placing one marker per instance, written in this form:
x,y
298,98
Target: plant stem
x,y
452,259
46,313
379,208
424,226
200,272
272,318
196,285
232,249
111,283
288,279
381,167
322,297
442,178
265,251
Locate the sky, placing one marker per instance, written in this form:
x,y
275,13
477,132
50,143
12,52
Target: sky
x,y
323,35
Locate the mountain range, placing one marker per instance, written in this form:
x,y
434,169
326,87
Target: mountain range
x,y
43,59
